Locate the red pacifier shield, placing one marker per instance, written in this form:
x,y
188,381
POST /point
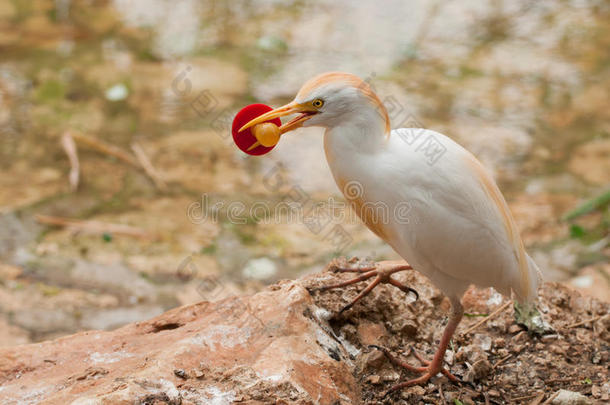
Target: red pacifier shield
x,y
245,139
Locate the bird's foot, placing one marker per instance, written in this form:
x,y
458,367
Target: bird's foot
x,y
382,272
428,370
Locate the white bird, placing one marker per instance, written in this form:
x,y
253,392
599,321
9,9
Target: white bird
x,y
447,217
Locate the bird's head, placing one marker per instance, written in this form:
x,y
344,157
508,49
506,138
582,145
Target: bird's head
x,y
329,100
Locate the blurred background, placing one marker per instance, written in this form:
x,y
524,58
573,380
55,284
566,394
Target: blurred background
x,y
122,194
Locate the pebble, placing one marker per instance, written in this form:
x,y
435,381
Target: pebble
x,y
260,269
449,357
417,391
521,337
373,379
499,343
480,369
408,328
483,341
372,360
565,397
514,328
389,375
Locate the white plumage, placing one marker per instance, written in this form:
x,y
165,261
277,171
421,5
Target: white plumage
x,y
454,232
444,214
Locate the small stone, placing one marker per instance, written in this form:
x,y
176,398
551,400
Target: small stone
x,y
449,357
565,397
520,337
371,333
470,353
373,379
117,92
514,328
556,349
417,391
389,375
408,328
372,360
605,392
480,369
260,269
499,343
596,358
483,341
181,373
596,391
518,348
503,352
493,393
540,361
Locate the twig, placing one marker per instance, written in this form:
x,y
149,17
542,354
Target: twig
x,y
106,148
140,161
67,142
502,360
561,380
577,324
551,398
441,394
524,397
538,399
95,227
490,316
148,167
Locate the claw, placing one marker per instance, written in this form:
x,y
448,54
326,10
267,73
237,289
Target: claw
x,y
428,371
382,273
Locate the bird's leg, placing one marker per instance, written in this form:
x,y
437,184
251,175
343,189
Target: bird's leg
x,y
431,368
381,271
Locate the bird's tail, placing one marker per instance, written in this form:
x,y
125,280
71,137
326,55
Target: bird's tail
x,y
527,287
526,312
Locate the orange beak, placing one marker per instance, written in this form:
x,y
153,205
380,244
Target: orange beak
x,y
305,112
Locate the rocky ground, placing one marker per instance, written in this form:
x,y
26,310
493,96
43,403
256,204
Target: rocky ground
x,y
285,345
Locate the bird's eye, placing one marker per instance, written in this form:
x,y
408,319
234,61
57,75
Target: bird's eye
x,y
317,103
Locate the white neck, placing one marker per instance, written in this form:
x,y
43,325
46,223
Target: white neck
x,y
361,134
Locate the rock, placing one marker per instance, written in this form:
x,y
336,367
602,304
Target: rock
x,y
370,361
499,343
602,392
260,269
483,341
373,379
416,391
449,357
371,333
470,353
265,347
286,345
565,397
480,369
407,328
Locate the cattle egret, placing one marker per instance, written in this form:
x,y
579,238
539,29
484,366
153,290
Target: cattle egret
x,y
455,226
